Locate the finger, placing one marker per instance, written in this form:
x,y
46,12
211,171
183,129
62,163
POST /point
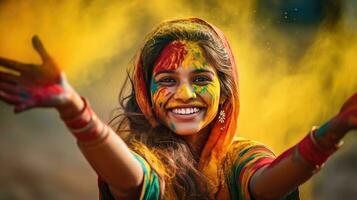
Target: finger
x,y
25,106
13,65
9,77
10,98
38,46
10,88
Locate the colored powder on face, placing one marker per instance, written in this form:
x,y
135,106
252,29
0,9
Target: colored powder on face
x,y
158,101
172,126
154,86
195,88
194,56
200,89
200,69
171,57
213,91
189,56
197,55
185,89
160,95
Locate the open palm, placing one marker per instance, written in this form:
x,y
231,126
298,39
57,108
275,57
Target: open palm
x,y
41,85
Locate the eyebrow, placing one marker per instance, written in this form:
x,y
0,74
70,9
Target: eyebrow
x,y
164,71
199,70
202,70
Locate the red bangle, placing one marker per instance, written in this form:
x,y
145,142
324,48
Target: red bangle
x,y
85,126
312,152
82,119
92,134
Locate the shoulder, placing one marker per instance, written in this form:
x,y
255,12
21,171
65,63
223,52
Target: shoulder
x,y
243,159
242,147
245,156
150,189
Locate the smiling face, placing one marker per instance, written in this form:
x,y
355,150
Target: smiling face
x,y
185,89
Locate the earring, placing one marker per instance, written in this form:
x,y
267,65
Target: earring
x,y
222,118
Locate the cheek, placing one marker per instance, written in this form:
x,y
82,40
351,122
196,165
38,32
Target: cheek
x,y
201,90
213,93
210,94
160,97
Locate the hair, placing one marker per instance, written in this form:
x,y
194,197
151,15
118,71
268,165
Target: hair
x,y
166,152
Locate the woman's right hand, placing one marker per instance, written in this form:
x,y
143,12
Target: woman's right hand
x,y
43,85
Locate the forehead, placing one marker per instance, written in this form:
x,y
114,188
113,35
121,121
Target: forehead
x,y
183,54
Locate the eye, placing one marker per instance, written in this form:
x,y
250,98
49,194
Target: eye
x,y
201,80
166,81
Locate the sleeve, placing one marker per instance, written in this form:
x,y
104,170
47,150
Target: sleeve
x,y
249,156
150,187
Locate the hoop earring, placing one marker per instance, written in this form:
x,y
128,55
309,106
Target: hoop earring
x,y
222,118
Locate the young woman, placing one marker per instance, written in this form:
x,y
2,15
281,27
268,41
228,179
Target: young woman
x,y
176,137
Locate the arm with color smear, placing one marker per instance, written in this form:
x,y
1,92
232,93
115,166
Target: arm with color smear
x,y
45,85
299,163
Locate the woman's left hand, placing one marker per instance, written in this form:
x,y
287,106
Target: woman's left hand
x,y
346,119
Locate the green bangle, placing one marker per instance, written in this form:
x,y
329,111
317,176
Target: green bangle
x,y
322,129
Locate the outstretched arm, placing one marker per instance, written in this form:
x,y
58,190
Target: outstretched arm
x,y
299,163
45,85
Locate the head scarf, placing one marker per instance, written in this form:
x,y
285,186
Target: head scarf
x,y
222,134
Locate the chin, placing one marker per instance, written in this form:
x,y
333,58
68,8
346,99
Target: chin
x,y
185,132
187,128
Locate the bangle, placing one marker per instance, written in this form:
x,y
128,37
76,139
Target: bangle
x,y
95,132
99,140
312,152
298,157
82,119
313,133
85,126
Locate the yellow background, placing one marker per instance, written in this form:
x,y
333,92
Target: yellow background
x,y
292,76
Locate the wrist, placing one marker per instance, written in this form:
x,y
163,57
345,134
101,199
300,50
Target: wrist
x,y
338,126
72,106
83,123
329,135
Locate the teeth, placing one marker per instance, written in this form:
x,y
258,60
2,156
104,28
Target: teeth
x,y
185,111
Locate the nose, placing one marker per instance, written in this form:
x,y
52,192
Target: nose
x,y
185,92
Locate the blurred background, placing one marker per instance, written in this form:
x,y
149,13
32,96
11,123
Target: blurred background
x,y
297,65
